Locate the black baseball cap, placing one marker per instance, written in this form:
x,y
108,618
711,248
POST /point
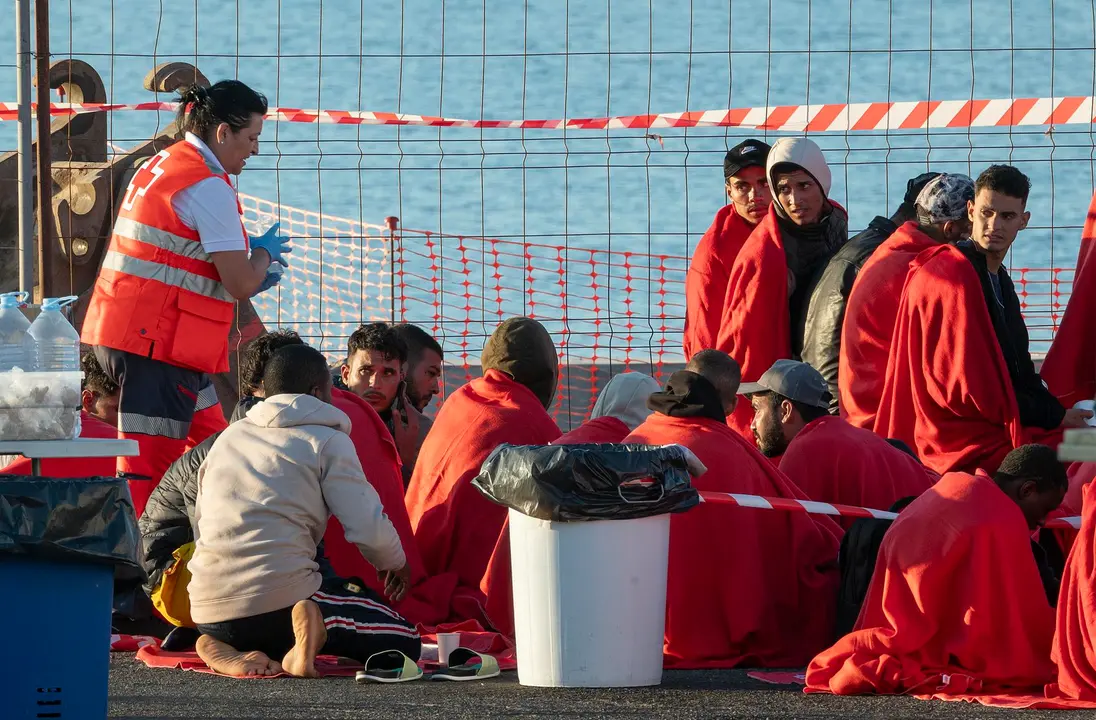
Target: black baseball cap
x,y
748,153
796,381
917,184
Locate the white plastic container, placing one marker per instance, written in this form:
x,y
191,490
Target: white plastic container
x,y
16,347
56,342
40,405
589,600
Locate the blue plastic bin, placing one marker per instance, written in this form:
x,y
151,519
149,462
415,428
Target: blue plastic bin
x,y
55,660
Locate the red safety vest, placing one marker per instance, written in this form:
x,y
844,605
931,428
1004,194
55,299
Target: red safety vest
x,y
158,293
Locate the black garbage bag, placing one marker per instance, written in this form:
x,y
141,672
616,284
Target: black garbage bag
x,y
83,520
588,482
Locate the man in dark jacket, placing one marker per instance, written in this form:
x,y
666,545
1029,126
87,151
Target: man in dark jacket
x,y
830,293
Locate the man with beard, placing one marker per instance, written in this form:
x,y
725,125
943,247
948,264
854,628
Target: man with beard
x,y
423,371
769,288
826,457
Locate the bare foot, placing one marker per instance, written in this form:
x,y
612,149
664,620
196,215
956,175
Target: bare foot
x,y
310,633
227,660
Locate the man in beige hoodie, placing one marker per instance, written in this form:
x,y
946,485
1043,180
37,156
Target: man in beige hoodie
x,y
256,594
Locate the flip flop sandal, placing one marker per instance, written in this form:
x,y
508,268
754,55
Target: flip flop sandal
x,y
465,664
391,666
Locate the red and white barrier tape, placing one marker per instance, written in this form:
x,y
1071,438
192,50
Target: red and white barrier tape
x,y
822,508
919,115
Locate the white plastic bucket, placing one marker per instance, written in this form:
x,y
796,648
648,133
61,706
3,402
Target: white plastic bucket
x,y
589,600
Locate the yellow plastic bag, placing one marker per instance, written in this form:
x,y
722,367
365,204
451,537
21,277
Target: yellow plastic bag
x,y
170,596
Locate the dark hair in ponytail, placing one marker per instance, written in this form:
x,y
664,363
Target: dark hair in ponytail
x,y
201,109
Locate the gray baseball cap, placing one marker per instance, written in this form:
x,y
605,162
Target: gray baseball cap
x,y
796,381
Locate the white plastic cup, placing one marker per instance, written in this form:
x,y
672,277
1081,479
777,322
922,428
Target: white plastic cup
x,y
447,643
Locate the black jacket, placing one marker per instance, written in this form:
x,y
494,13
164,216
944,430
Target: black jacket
x,y
828,298
166,524
1038,406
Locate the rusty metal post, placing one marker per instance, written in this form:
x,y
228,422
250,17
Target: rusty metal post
x,y
392,223
26,134
45,174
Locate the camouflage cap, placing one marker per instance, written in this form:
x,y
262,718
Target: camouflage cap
x,y
945,198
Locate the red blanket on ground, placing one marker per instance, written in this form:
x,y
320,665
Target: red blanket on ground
x,y
955,606
947,392
428,601
1070,365
1075,636
833,461
606,429
706,282
472,637
496,586
870,317
746,586
90,427
455,526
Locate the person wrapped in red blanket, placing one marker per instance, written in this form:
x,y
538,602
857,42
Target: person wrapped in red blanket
x,y
942,218
1075,636
826,457
1070,366
961,338
620,408
457,529
764,313
746,587
956,604
98,419
747,188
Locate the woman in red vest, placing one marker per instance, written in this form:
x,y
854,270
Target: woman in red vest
x,y
177,262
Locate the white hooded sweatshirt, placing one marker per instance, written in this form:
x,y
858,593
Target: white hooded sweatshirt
x,y
265,493
625,398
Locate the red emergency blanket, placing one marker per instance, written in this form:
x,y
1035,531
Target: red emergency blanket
x,y
746,587
955,606
947,392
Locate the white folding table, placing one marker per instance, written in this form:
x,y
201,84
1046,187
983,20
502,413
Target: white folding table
x,y
36,450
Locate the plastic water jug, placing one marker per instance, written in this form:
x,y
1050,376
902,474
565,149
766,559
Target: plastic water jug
x,y
16,347
56,342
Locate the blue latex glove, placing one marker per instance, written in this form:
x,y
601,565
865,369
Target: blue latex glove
x,y
275,244
271,279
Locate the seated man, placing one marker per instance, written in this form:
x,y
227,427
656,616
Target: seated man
x,y
765,310
826,457
941,218
374,371
166,525
829,297
455,526
747,188
423,371
98,419
620,408
746,587
961,338
256,594
956,604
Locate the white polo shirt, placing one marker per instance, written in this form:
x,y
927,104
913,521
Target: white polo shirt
x,y
210,207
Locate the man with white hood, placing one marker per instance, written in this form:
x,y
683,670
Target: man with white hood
x,y
620,408
769,288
